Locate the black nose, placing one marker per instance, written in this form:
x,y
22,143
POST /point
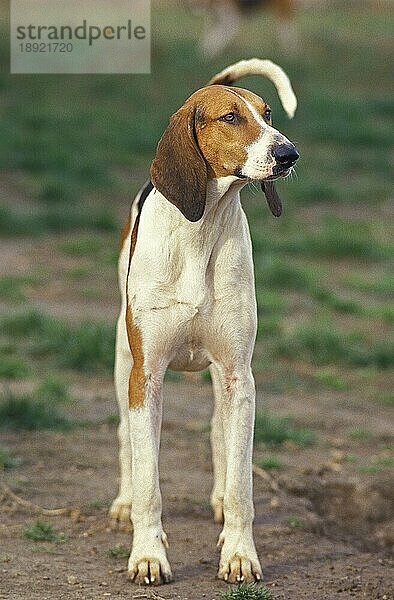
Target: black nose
x,y
285,154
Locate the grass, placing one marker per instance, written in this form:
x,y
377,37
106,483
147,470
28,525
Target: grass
x,y
36,411
274,272
296,522
55,219
119,552
338,238
7,461
247,591
274,431
53,390
40,531
270,463
321,343
98,504
11,288
87,246
88,347
382,286
359,435
13,368
329,379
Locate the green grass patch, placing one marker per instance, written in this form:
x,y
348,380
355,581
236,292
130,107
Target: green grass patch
x,y
268,326
112,420
119,552
386,462
270,302
40,531
55,219
360,435
32,412
13,368
351,458
386,398
274,272
383,286
339,239
53,390
274,431
88,347
11,288
248,591
331,300
328,378
269,463
88,246
320,343
7,461
296,522
369,469
98,504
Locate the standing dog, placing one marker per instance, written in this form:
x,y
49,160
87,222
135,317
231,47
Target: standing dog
x,y
188,303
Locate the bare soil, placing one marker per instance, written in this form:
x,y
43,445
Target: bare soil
x,y
324,533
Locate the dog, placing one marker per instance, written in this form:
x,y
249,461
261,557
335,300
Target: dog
x,y
188,303
228,16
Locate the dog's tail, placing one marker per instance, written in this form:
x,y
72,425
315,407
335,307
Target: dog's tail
x,y
266,68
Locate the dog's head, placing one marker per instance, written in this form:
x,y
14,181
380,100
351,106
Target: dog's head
x,y
220,131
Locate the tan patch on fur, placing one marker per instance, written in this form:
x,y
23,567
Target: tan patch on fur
x,y
222,144
137,375
124,233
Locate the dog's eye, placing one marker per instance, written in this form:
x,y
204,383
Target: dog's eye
x,y
268,115
229,118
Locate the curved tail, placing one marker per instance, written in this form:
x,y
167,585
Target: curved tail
x,y
266,68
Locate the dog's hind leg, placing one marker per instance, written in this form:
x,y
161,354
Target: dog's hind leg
x,y
120,510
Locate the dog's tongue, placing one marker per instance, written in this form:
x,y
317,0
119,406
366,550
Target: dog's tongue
x,y
274,202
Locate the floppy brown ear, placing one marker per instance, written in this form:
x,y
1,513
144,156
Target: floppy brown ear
x,y
179,170
274,202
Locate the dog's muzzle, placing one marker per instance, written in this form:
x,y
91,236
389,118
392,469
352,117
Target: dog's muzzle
x,y
286,156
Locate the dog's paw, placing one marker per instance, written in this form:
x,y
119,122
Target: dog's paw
x,y
148,564
239,569
150,571
119,515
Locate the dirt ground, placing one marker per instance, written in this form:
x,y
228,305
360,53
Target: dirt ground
x,y
336,547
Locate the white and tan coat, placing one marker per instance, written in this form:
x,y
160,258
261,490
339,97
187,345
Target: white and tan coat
x,y
188,303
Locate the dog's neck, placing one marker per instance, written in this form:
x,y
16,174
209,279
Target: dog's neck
x,y
221,192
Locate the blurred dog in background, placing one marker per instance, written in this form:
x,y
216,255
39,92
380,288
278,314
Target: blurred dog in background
x,y
228,16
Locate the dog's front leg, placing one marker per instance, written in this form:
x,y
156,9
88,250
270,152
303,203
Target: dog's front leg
x,y
238,560
148,562
218,447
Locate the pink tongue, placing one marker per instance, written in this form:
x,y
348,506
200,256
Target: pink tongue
x,y
274,202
